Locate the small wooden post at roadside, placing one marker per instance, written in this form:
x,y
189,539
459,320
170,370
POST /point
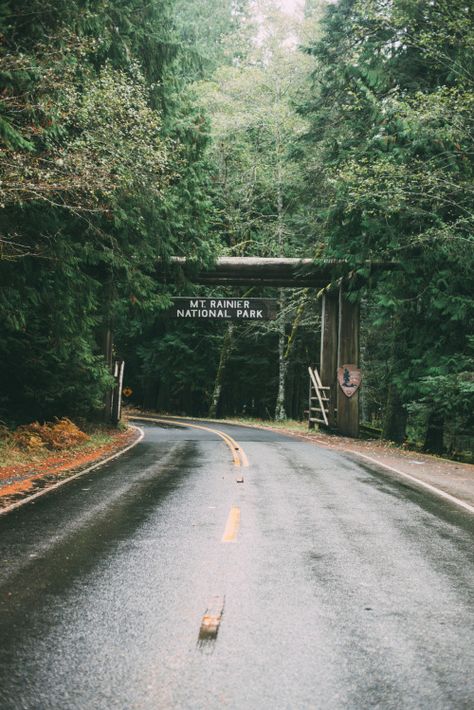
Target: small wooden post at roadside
x,y
116,412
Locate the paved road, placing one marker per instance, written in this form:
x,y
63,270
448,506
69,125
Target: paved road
x,y
328,585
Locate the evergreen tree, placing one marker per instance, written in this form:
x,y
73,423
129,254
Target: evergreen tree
x,y
390,177
101,177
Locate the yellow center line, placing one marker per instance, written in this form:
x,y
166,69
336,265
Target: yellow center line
x,y
243,456
238,454
235,447
232,525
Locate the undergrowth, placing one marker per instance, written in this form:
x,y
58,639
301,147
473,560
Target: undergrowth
x,y
35,442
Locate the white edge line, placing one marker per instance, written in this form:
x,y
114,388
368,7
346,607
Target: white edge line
x,y
428,486
24,501
419,482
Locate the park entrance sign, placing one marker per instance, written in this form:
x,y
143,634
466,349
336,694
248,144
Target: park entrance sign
x,y
339,316
245,309
339,313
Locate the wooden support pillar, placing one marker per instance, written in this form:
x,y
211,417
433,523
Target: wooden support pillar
x,y
328,361
348,354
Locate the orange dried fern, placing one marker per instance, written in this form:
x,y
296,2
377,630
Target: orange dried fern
x,y
61,434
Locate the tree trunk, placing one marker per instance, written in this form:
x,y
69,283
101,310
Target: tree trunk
x,y
280,410
150,393
107,341
395,417
107,353
163,397
225,352
434,433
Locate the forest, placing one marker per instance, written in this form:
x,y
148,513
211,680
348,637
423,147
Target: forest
x,y
136,130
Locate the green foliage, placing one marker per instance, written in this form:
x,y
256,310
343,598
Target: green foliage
x,y
390,177
215,33
101,175
133,131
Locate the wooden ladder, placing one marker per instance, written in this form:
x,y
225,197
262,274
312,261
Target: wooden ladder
x,y
318,398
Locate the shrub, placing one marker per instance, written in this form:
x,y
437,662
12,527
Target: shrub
x,y
61,434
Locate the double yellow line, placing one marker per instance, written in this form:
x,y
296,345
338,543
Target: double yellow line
x,y
239,456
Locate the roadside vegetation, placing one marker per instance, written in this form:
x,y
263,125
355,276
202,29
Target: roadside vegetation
x,y
134,131
35,456
35,443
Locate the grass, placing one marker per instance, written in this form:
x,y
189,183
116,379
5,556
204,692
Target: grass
x,y
288,424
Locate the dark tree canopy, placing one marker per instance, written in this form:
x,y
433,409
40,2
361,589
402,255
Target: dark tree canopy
x,y
133,131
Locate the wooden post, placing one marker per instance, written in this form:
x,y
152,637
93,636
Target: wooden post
x,y
348,353
328,363
117,392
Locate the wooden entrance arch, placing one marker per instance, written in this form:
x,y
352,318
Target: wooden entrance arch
x,y
340,318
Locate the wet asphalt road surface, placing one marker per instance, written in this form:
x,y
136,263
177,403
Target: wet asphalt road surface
x,y
337,587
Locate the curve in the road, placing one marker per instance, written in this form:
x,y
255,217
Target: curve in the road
x,y
345,588
238,454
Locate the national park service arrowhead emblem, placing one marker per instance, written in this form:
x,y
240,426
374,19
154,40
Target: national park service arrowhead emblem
x,y
349,378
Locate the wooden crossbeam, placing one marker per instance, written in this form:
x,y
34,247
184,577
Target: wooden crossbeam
x,y
261,271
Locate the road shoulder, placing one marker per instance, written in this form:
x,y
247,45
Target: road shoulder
x,y
21,484
453,478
